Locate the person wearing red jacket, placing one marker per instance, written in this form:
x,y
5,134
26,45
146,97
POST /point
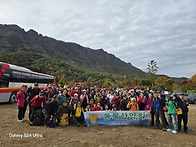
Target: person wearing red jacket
x,y
76,90
36,104
140,102
22,103
97,108
116,101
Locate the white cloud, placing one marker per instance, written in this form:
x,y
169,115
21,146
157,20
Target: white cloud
x,y
135,31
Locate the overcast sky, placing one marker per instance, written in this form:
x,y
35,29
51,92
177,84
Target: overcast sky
x,y
135,31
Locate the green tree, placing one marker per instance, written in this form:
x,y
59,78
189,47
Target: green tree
x,y
152,70
107,83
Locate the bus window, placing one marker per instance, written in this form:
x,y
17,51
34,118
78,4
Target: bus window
x,y
34,78
16,76
41,80
26,77
51,80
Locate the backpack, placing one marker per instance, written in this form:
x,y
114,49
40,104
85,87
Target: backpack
x,y
179,111
64,121
39,118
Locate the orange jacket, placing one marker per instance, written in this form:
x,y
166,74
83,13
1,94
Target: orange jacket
x,y
133,107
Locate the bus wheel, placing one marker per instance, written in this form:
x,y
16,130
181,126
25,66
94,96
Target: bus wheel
x,y
12,98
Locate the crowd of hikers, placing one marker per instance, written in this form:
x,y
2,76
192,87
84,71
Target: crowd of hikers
x,y
64,105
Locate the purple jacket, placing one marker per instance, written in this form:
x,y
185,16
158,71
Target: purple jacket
x,y
20,99
147,102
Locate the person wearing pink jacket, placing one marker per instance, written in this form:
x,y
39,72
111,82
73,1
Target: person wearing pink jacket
x,y
22,103
147,101
84,99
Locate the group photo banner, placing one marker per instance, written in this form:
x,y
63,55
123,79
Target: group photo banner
x,y
117,118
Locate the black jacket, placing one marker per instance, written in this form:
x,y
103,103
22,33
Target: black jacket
x,y
123,104
183,105
51,108
32,92
62,109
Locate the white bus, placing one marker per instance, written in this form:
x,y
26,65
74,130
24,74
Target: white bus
x,y
12,77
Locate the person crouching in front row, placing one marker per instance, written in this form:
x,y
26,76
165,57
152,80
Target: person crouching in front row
x,y
36,104
78,114
64,114
50,109
133,106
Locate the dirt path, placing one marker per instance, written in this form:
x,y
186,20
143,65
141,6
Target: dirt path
x,y
74,136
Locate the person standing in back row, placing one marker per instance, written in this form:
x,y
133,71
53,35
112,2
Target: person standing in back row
x,y
22,103
183,115
157,106
171,112
32,92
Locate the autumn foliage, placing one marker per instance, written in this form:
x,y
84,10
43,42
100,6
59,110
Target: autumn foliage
x,y
189,84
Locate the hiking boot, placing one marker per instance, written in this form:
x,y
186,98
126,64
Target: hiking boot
x,y
174,132
164,129
169,130
20,120
30,123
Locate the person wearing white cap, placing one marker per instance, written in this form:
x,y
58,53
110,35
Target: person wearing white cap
x,y
133,106
133,94
84,99
171,112
76,90
74,99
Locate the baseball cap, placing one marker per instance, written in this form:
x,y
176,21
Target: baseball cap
x,y
41,93
35,84
181,93
166,92
75,94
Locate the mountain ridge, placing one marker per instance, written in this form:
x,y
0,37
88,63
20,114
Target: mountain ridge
x,y
13,39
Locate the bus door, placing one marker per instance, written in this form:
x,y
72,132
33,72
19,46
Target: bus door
x,y
5,79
